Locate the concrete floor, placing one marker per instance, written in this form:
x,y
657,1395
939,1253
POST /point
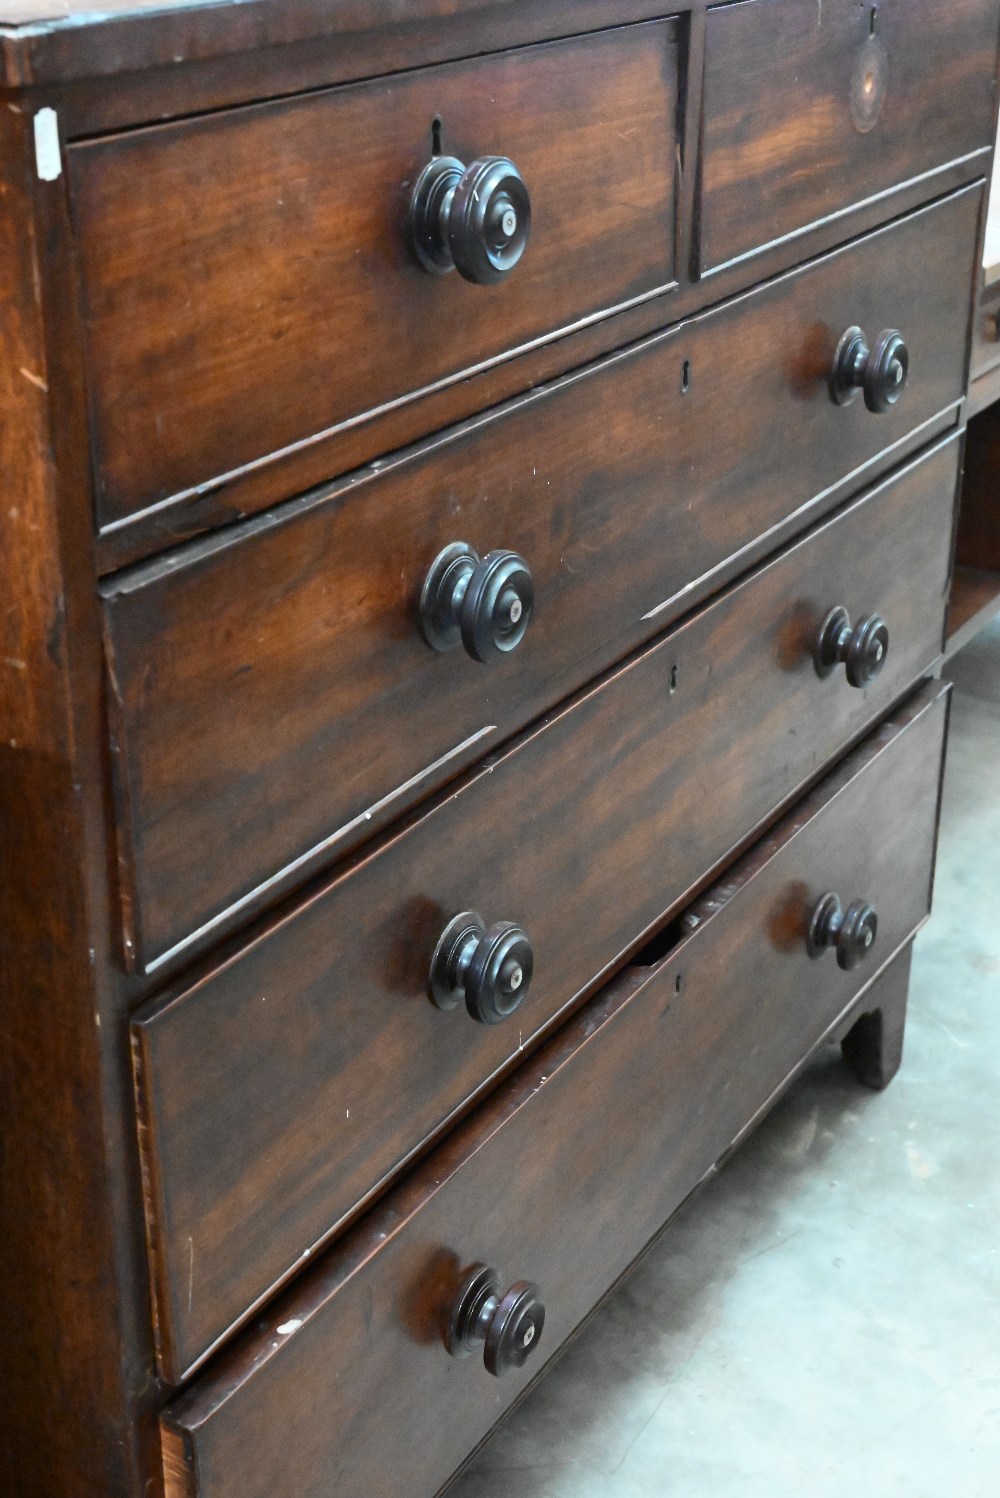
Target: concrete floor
x,y
825,1318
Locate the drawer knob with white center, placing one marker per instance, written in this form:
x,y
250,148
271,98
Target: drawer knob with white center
x,y
507,1327
862,649
490,969
850,933
483,604
880,371
474,219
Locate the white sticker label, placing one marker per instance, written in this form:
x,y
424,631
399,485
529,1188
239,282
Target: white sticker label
x,y
47,152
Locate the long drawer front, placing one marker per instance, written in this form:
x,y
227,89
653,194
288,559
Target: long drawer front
x,y
273,699
562,1178
584,833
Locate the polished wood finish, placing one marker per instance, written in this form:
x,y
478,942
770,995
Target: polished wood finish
x,y
144,147
312,465
262,48
811,109
264,754
76,1376
559,1179
587,833
227,324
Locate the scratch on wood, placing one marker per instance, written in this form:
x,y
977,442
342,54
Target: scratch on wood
x,y
35,380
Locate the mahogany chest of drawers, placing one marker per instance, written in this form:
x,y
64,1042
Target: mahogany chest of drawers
x,y
479,515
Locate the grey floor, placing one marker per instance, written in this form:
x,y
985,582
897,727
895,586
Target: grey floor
x,y
825,1318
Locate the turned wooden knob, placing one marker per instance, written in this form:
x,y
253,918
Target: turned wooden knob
x,y
481,603
880,371
851,932
489,969
861,648
507,1327
474,219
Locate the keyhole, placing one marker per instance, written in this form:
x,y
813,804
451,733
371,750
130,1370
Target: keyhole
x,y
873,22
678,983
673,680
437,126
686,377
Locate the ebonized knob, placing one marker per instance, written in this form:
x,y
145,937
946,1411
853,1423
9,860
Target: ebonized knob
x,y
490,969
484,604
880,371
474,219
850,932
862,649
507,1327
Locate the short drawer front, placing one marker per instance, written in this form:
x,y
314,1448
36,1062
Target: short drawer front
x,y
568,1171
247,282
812,109
285,1085
274,700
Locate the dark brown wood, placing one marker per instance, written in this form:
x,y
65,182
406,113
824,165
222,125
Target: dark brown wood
x,y
247,284
974,603
587,833
978,543
709,1033
873,1047
177,90
76,1376
312,465
811,109
266,753
153,48
593,827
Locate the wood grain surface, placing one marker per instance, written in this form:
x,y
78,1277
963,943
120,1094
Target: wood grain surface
x,y
192,344
286,1084
152,48
272,697
810,109
570,1169
247,283
76,1363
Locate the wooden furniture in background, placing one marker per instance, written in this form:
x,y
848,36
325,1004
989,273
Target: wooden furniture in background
x,y
976,585
975,595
